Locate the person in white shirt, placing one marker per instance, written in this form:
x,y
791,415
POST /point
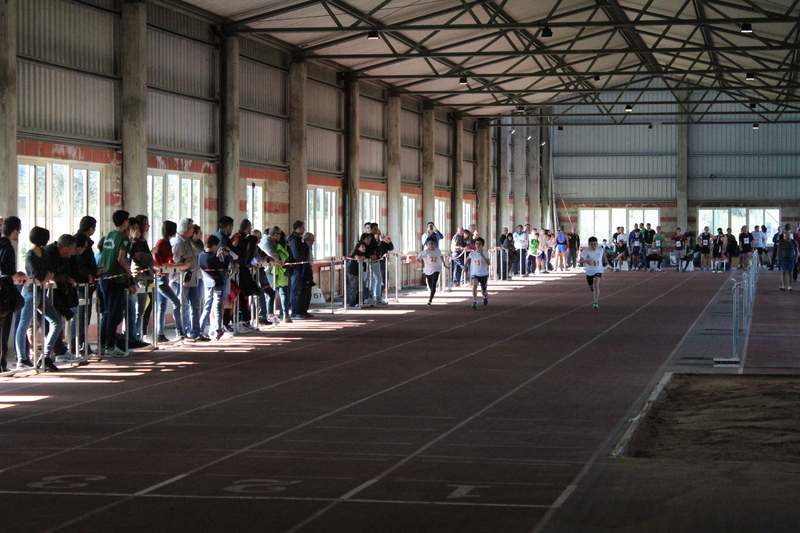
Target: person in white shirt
x,y
521,241
431,259
759,243
593,259
479,272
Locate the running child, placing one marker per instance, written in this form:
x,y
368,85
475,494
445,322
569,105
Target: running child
x,y
594,260
479,272
431,259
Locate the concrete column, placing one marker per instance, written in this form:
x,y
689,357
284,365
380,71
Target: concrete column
x,y
298,142
457,199
394,198
8,107
483,181
682,175
232,189
503,178
133,59
520,180
428,162
534,180
548,212
352,165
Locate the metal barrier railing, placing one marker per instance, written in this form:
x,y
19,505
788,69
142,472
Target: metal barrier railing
x,y
744,293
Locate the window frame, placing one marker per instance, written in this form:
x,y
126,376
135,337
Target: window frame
x,y
196,186
324,228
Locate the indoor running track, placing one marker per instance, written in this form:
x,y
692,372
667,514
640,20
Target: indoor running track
x,y
396,419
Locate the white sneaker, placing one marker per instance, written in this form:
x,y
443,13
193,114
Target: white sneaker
x,y
116,352
67,358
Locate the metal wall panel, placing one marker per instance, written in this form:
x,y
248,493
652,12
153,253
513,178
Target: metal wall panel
x,y
179,23
324,74
325,105
745,166
443,170
743,139
627,189
443,138
373,155
67,103
263,138
614,166
181,65
263,88
372,118
613,140
411,165
411,104
263,53
410,128
181,124
68,34
744,189
372,91
469,176
325,150
469,146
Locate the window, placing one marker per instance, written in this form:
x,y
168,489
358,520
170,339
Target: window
x,y
56,196
603,223
369,209
736,217
469,210
410,238
255,206
172,197
322,216
440,217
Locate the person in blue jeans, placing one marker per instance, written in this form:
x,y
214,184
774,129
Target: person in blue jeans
x,y
187,284
37,268
214,262
117,282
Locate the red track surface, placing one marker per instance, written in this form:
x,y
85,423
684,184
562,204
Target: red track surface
x,y
405,418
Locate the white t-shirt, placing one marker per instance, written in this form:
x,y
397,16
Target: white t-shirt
x,y
593,260
758,239
433,261
478,265
622,239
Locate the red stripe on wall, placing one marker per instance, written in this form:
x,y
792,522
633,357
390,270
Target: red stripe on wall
x,y
210,204
113,199
181,165
410,190
371,186
442,194
470,196
325,181
68,152
251,173
277,207
243,206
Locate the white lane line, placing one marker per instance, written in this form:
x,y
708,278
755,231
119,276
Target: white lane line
x,y
496,402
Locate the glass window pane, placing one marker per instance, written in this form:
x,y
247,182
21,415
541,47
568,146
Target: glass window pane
x,y
41,196
196,202
720,220
60,201
772,219
186,198
635,216
172,197
738,219
22,191
258,208
756,217
619,218
705,217
651,217
93,202
79,179
602,227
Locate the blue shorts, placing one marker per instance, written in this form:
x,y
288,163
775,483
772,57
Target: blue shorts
x,y
561,248
482,280
787,265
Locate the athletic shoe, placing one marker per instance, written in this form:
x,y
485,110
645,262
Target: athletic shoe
x,y
475,305
189,340
429,303
219,334
203,338
67,358
789,288
229,328
485,301
135,345
596,306
288,319
116,352
49,366
381,302
162,339
25,363
783,288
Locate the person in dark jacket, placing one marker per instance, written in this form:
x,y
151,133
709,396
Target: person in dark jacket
x,y
85,268
65,296
214,262
299,254
355,267
8,267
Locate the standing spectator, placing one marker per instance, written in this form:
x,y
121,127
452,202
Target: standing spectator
x,y
8,267
521,246
142,267
457,246
533,252
282,276
432,231
307,275
213,263
574,241
184,251
59,256
354,269
658,238
561,249
745,248
704,244
731,248
758,245
376,278
117,281
776,239
268,246
648,236
680,245
299,255
162,256
385,247
244,250
718,251
509,257
787,254
86,267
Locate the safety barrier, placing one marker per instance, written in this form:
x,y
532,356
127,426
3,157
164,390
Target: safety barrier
x,y
744,293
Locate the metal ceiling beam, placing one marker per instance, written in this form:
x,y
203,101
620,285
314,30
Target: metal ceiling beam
x,y
586,74
619,24
648,123
639,115
565,51
270,14
589,91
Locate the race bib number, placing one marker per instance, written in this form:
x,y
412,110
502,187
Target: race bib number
x,y
433,259
705,242
746,240
477,262
678,245
636,244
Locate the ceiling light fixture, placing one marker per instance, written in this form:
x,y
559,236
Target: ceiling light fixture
x,y
542,143
547,32
373,34
746,28
560,128
513,131
755,126
752,105
520,108
597,78
749,76
628,108
462,81
649,126
529,137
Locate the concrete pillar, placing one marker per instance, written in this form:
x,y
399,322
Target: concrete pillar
x,y
548,211
428,162
298,142
352,165
503,178
520,179
394,198
534,180
483,181
457,199
232,189
8,107
133,59
682,174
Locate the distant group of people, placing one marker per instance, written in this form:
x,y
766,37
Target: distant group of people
x,y
210,283
528,251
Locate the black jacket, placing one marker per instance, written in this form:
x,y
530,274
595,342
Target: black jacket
x,y
8,257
